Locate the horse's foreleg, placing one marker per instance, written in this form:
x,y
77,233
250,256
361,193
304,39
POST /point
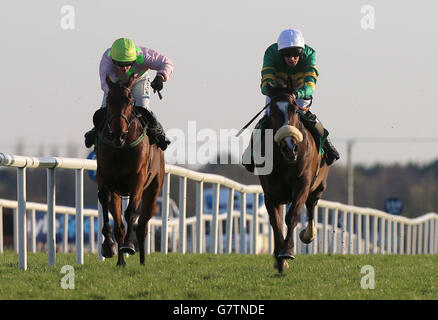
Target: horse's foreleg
x,y
119,228
108,248
276,223
292,217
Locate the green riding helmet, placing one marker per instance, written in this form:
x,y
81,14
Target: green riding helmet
x,y
123,51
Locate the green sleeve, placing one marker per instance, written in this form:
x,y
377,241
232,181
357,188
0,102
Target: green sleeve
x,y
310,75
268,69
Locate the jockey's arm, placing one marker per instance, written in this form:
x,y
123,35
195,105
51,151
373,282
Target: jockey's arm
x,y
310,76
155,61
268,71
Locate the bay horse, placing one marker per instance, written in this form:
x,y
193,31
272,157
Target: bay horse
x,y
298,176
127,165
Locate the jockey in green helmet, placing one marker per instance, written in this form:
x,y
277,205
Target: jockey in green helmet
x,y
121,61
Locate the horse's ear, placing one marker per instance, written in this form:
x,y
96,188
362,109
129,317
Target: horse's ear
x,y
109,82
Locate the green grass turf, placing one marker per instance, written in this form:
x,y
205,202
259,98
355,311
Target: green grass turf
x,y
229,276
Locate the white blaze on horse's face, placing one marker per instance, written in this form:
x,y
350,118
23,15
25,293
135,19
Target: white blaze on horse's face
x,y
283,106
287,132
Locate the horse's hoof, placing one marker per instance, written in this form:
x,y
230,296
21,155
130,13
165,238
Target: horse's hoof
x,y
129,249
108,251
286,256
304,239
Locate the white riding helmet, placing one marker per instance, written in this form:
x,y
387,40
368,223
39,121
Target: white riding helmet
x,y
290,38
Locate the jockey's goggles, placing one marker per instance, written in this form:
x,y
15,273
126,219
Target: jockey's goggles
x,y
123,64
291,52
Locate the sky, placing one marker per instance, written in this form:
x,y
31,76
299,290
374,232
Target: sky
x,y
376,85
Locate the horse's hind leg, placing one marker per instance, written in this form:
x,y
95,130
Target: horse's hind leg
x,y
130,215
149,202
309,234
108,246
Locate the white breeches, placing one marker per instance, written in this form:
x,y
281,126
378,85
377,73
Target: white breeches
x,y
140,92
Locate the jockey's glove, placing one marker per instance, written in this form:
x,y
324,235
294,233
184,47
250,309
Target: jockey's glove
x,y
157,83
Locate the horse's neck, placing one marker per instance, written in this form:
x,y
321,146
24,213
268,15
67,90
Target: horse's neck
x,y
135,131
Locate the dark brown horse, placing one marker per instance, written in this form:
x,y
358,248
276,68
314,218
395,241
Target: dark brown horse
x,y
297,177
127,165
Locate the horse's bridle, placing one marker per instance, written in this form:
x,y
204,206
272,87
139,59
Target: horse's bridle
x,y
128,121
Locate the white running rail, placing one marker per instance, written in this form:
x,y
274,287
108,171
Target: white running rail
x,y
341,228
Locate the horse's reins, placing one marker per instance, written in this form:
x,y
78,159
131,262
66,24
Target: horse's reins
x,y
247,125
251,121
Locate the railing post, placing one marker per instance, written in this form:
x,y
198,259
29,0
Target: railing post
x,y
255,222
229,230
33,231
414,238
51,216
420,238
92,233
408,238
335,231
65,235
1,230
79,201
22,223
344,232
182,214
199,216
395,237
359,234
436,235
375,234
367,233
242,223
165,214
15,229
214,224
325,220
351,233
99,231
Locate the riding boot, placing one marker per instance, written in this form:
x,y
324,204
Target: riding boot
x,y
90,137
98,120
155,129
319,133
332,153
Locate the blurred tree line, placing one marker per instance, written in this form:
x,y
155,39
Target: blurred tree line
x,y
416,185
